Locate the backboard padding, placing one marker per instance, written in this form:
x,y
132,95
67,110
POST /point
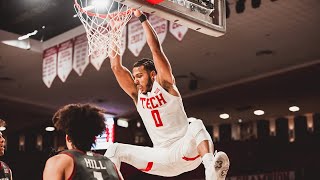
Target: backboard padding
x,y
208,21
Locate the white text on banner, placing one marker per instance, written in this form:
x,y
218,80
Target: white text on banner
x,y
97,59
123,41
160,25
80,56
136,37
65,60
49,65
177,30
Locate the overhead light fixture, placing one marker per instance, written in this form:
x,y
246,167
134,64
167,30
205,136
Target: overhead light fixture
x,y
138,124
28,35
239,120
224,116
258,112
123,122
294,108
2,128
17,43
87,8
50,128
98,4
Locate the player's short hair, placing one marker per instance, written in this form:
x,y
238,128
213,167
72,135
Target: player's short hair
x,y
147,63
81,122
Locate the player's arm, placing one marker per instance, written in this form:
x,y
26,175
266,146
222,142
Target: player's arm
x,y
123,76
56,167
164,71
11,174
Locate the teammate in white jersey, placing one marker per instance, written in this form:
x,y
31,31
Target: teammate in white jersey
x,y
180,144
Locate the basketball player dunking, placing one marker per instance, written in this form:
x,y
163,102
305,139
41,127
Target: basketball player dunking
x,y
81,123
180,144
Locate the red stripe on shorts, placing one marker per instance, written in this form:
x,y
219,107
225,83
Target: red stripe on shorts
x,y
190,159
148,168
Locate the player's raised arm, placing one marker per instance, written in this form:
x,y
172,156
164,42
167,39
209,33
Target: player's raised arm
x,y
164,71
123,76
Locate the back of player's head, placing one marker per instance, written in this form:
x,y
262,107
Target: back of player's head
x,y
81,122
2,123
147,63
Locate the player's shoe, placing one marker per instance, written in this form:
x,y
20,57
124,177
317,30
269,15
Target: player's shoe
x,y
221,165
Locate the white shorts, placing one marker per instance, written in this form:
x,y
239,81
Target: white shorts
x,y
181,156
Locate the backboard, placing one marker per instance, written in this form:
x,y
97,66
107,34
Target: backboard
x,y
205,16
105,20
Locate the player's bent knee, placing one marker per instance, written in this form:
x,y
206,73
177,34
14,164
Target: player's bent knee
x,y
195,127
111,151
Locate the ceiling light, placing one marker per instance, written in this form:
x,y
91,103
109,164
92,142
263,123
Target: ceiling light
x,y
88,8
258,112
2,128
240,120
27,35
50,128
294,108
17,43
122,122
224,116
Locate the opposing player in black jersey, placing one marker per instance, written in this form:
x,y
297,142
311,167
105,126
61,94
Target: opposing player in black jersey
x,y
81,123
5,171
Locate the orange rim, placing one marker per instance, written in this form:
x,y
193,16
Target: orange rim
x,y
102,16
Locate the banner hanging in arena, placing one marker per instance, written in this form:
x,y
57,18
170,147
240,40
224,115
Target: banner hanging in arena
x,y
80,56
49,65
136,37
123,41
177,30
65,59
98,58
160,25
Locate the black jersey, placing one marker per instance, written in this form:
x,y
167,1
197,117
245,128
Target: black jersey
x,y
91,166
5,171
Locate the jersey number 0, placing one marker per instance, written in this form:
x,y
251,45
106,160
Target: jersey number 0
x,y
156,117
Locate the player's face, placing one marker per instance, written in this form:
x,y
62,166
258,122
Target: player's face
x,y
142,79
2,144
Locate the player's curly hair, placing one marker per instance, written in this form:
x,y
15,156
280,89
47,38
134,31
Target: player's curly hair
x,y
81,122
147,63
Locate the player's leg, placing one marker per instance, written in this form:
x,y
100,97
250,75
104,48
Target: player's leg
x,y
216,166
150,160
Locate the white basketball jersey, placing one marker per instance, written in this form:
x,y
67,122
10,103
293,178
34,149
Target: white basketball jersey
x,y
163,115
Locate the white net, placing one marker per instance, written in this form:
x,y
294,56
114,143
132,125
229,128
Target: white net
x,y
104,22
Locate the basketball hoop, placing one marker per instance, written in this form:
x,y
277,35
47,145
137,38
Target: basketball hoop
x,y
104,24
